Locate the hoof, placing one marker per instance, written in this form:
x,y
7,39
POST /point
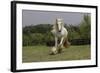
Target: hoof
x,y
53,51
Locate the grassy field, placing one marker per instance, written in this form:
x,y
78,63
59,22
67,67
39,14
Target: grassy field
x,y
41,54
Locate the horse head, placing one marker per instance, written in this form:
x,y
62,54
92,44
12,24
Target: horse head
x,y
59,24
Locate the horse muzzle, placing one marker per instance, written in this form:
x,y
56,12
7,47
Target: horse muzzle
x,y
59,31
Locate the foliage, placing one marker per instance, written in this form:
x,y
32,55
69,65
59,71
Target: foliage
x,y
37,34
85,27
40,34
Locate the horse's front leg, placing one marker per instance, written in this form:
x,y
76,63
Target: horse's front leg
x,y
54,49
60,46
62,41
56,42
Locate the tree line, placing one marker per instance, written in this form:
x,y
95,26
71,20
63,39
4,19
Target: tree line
x,y
41,34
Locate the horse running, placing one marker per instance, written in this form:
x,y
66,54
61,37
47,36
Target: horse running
x,y
60,32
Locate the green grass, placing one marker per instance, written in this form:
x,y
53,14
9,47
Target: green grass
x,y
41,54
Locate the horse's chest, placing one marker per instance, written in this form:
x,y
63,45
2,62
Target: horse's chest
x,y
58,34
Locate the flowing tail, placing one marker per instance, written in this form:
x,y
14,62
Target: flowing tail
x,y
66,43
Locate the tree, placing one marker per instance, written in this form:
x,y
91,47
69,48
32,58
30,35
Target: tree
x,y
85,27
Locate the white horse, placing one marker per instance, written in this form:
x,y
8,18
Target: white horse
x,y
60,32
